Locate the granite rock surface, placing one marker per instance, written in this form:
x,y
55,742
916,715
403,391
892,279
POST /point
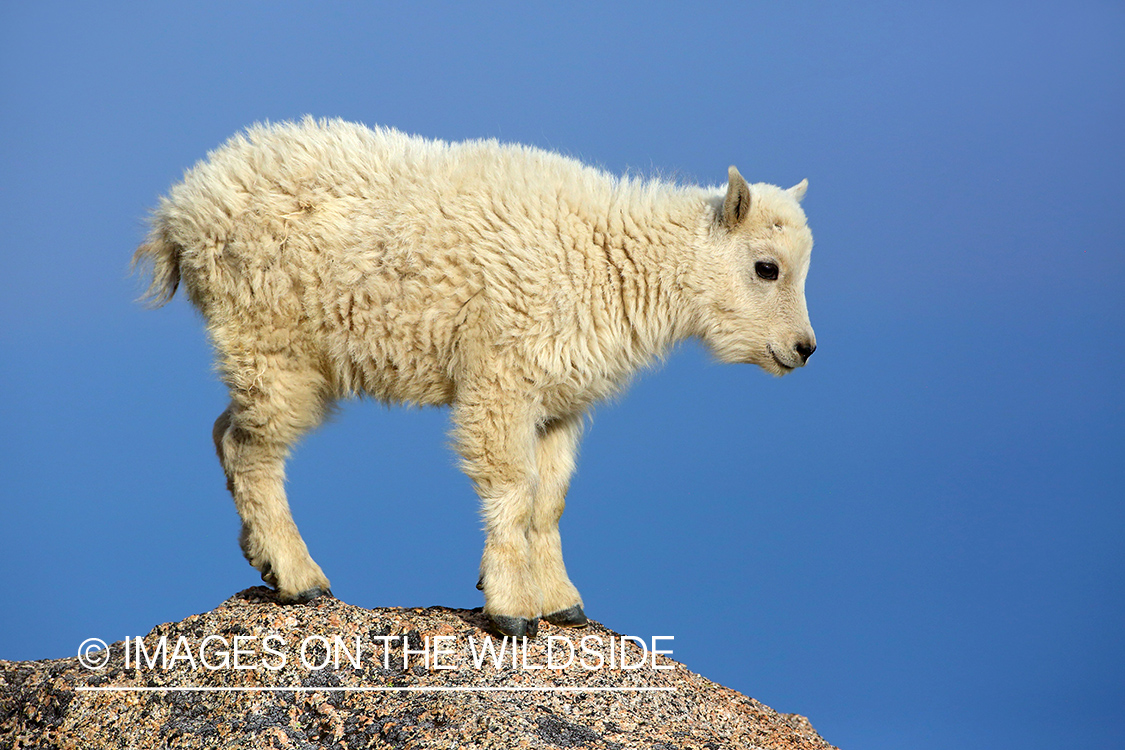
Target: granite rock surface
x,y
253,673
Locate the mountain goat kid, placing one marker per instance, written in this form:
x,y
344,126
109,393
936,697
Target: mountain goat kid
x,y
516,285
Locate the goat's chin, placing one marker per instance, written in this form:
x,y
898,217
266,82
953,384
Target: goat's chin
x,y
763,358
772,363
775,368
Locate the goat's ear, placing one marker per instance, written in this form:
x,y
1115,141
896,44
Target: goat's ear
x,y
798,190
736,207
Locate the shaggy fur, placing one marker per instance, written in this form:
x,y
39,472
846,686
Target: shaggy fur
x,y
516,285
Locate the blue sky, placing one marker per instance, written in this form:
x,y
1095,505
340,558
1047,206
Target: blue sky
x,y
915,541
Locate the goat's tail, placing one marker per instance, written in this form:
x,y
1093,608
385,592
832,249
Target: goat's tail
x,y
163,256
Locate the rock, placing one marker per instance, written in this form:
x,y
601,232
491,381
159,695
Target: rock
x,y
252,674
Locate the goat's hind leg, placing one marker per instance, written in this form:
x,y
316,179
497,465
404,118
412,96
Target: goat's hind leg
x,y
253,438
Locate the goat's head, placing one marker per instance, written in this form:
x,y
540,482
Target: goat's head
x,y
753,266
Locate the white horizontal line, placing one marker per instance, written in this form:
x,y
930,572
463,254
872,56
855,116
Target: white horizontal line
x,y
416,689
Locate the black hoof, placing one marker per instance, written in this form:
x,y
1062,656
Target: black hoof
x,y
308,595
517,627
571,617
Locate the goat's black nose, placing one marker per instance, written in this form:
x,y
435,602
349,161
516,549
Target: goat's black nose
x,y
805,350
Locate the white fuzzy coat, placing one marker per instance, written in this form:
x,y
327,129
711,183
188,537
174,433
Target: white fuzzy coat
x,y
517,285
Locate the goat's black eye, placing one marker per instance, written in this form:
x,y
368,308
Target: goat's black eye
x,y
766,270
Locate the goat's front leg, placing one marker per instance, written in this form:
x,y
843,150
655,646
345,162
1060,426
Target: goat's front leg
x,y
496,438
555,452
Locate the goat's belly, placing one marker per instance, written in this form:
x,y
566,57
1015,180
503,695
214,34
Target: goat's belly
x,y
401,359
